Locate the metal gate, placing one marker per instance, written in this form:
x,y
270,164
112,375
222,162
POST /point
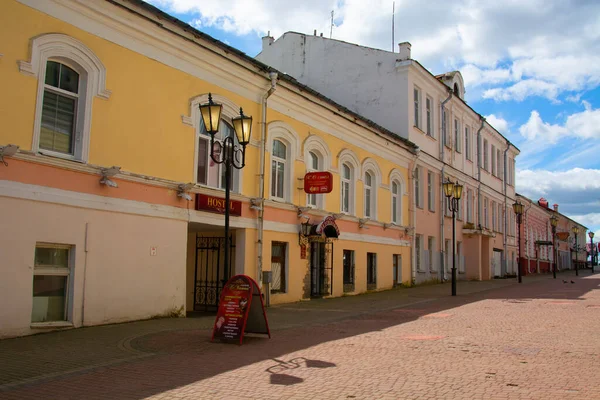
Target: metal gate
x,y
210,274
321,268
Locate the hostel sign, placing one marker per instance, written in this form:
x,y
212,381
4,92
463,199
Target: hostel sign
x,y
217,205
318,182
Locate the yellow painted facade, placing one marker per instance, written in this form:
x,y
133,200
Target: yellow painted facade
x,y
142,128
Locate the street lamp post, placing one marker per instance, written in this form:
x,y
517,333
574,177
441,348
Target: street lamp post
x,y
575,230
518,209
227,152
591,235
453,192
554,223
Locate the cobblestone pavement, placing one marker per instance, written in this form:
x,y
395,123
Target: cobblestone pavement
x,y
496,340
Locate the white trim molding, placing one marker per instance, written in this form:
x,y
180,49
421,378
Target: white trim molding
x,y
317,144
282,130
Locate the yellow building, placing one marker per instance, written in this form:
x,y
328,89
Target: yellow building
x,y
99,224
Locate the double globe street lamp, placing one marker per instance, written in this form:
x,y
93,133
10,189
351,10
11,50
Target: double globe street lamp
x,y
226,152
554,223
518,208
453,192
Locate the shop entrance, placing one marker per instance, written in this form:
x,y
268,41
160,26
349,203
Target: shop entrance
x,y
321,268
210,274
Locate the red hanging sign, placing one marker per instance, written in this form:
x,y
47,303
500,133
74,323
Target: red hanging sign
x,y
318,182
241,310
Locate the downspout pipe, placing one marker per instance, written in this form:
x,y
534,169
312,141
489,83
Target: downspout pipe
x,y
506,205
443,128
412,209
261,179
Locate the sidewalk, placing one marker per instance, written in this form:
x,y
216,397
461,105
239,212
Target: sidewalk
x,y
44,357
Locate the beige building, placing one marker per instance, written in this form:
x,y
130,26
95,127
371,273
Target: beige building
x,y
455,142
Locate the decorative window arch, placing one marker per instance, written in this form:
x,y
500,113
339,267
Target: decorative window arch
x,y
398,184
281,132
372,182
207,172
317,157
64,53
349,169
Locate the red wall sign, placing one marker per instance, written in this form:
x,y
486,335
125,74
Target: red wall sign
x,y
241,310
318,182
217,205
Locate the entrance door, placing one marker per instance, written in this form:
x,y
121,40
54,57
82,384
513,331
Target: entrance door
x,y
497,263
348,261
210,274
397,267
320,273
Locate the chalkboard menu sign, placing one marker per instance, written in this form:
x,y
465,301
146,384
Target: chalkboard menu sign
x,y
241,310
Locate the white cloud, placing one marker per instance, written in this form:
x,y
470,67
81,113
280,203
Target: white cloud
x,y
585,125
523,89
499,123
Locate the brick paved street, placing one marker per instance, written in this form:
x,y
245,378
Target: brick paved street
x,y
496,340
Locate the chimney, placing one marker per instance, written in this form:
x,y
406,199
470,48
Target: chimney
x,y
556,207
404,51
267,40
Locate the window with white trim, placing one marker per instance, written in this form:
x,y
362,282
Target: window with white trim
x,y
494,160
499,167
431,250
347,186
208,172
485,213
278,170
485,154
314,163
418,188
418,248
429,108
69,77
494,216
279,267
396,203
369,195
457,139
431,186
417,100
468,144
52,283
469,205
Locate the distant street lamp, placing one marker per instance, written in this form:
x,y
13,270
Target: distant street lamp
x,y
591,235
227,152
518,208
453,192
575,230
554,223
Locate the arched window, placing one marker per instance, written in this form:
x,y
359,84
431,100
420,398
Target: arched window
x,y
456,90
69,76
278,170
347,185
369,195
209,172
314,163
396,203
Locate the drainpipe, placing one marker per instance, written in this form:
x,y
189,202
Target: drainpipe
x,y
505,241
412,209
261,180
442,198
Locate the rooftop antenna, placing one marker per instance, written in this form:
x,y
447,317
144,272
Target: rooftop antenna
x,y
393,14
331,27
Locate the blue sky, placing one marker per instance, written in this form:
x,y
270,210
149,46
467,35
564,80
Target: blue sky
x,y
532,67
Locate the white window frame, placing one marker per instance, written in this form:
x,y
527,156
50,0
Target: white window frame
x,y
92,82
418,187
417,107
235,173
457,136
285,163
493,151
485,155
314,144
485,212
431,249
348,157
49,270
397,197
468,151
431,187
278,130
469,206
313,200
346,188
418,250
430,116
494,219
396,176
369,194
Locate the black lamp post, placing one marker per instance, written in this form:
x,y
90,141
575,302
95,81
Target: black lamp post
x,y
453,192
554,223
591,235
228,152
575,230
518,209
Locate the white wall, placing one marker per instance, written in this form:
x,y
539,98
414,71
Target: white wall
x,y
123,281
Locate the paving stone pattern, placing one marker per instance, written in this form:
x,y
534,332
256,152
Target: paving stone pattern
x,y
496,340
